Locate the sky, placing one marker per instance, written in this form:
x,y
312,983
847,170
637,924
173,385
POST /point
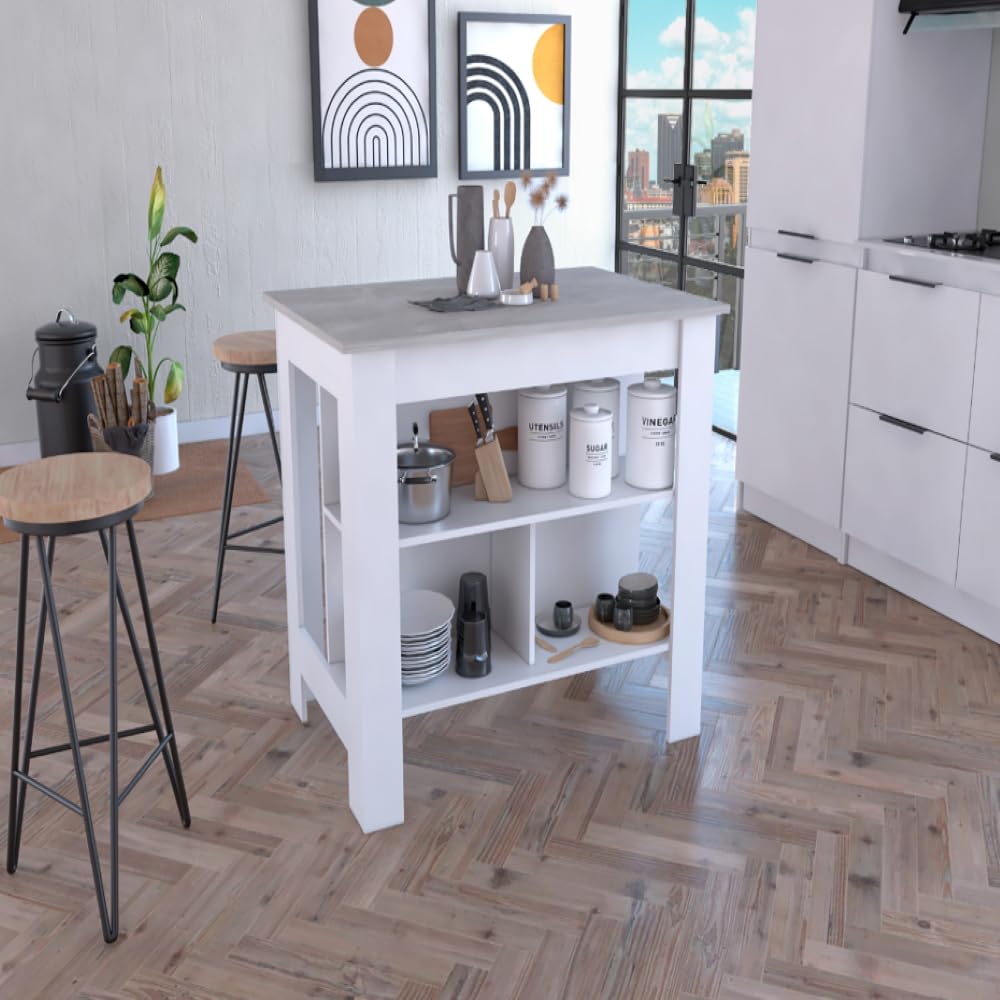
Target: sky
x,y
724,38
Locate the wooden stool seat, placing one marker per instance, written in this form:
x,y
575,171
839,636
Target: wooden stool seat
x,y
252,349
67,489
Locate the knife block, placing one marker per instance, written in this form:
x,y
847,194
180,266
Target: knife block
x,y
492,475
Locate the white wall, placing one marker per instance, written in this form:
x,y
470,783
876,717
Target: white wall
x,y
94,95
989,195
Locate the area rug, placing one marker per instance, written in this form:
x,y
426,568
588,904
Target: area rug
x,y
194,488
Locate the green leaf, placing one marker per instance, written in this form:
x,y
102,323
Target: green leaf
x,y
172,234
122,355
162,275
139,323
175,383
162,312
157,203
128,314
132,283
117,293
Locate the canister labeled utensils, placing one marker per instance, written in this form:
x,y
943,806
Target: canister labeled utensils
x,y
606,392
649,451
590,452
541,437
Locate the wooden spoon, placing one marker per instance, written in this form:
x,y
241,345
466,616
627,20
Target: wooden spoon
x,y
509,194
496,203
589,643
545,644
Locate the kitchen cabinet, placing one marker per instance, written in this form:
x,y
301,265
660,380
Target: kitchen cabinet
x,y
797,319
365,354
984,430
903,492
840,99
979,552
915,351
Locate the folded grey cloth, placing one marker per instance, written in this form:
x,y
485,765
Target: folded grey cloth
x,y
458,303
126,440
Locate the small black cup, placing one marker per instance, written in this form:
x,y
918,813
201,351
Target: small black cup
x,y
474,658
562,614
623,616
604,608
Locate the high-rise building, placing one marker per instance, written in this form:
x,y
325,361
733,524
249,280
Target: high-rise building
x,y
737,171
637,175
703,164
669,147
723,144
718,191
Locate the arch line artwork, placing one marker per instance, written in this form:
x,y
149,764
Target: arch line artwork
x,y
491,81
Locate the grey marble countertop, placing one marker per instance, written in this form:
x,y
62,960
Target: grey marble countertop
x,y
378,317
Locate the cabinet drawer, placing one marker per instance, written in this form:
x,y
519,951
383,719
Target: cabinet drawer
x,y
903,492
984,430
914,352
979,552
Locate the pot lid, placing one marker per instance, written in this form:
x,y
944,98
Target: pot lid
x,y
591,413
65,330
544,392
600,385
652,388
425,456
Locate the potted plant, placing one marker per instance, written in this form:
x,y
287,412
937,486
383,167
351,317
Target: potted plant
x,y
157,295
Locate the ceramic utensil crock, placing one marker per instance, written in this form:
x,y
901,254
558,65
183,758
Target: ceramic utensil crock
x,y
649,448
541,437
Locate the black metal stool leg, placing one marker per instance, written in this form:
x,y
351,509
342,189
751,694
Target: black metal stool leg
x,y
113,585
270,420
109,925
22,604
235,436
30,723
180,792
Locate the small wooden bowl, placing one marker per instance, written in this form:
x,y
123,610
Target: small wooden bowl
x,y
639,635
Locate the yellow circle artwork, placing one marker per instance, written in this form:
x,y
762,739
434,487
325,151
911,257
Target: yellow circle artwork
x,y
548,63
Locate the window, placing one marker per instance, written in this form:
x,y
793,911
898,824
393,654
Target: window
x,y
684,107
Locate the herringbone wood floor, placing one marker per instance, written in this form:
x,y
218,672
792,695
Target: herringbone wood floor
x,y
833,833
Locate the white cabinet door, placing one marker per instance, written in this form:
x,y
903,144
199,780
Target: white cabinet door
x,y
793,387
984,431
914,352
810,95
979,553
903,492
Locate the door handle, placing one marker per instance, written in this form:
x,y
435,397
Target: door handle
x,y
914,281
791,232
905,424
796,257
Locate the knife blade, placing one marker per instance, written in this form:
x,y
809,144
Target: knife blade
x,y
483,399
474,414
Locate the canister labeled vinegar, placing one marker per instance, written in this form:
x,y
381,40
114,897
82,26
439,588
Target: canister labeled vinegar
x,y
649,454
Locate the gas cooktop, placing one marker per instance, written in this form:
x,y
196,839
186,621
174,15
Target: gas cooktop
x,y
984,243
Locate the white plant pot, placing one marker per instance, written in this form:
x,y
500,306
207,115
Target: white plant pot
x,y
166,451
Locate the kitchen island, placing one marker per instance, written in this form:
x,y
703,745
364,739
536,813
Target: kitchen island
x,y
353,362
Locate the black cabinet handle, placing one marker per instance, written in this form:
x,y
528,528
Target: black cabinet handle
x,y
791,232
905,424
995,457
914,281
796,257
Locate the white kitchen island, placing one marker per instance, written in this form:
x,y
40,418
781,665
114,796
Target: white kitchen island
x,y
353,363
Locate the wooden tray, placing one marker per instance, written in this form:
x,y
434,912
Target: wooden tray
x,y
640,635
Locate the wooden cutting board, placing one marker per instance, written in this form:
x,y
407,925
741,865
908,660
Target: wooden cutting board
x,y
453,429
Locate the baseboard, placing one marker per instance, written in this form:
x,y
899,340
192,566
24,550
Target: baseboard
x,y
210,429
820,536
933,593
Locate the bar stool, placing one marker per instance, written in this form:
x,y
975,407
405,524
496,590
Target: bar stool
x,y
251,353
45,500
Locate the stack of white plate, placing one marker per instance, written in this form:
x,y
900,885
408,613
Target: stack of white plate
x,y
425,635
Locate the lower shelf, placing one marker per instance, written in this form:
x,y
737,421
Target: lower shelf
x,y
510,672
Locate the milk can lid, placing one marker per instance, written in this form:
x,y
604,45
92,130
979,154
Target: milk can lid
x,y
65,330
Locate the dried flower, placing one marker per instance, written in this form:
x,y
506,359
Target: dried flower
x,y
552,180
525,179
561,202
538,197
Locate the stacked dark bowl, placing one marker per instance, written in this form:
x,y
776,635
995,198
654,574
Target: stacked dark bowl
x,y
641,592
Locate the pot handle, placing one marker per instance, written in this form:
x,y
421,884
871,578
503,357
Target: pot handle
x,y
421,481
451,226
55,395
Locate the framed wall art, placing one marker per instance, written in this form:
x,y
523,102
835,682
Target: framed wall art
x,y
373,94
513,94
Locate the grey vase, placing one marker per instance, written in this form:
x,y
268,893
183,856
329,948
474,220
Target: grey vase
x,y
537,260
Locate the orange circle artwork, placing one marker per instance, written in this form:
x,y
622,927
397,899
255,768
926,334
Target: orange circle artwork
x,y
548,63
373,36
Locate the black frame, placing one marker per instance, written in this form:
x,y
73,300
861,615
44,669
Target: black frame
x,y
321,172
463,158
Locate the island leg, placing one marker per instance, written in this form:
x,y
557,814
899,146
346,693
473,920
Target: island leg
x,y
370,540
691,498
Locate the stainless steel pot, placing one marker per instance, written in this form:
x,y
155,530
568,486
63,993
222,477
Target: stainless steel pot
x,y
424,477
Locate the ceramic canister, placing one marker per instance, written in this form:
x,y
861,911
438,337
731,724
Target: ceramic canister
x,y
590,443
606,392
541,437
649,446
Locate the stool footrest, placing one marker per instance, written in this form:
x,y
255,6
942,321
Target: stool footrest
x,y
91,741
145,767
254,548
50,792
256,527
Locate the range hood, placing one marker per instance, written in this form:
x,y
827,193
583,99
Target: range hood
x,y
937,15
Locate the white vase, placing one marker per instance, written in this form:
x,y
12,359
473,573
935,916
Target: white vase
x,y
500,242
166,451
484,280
